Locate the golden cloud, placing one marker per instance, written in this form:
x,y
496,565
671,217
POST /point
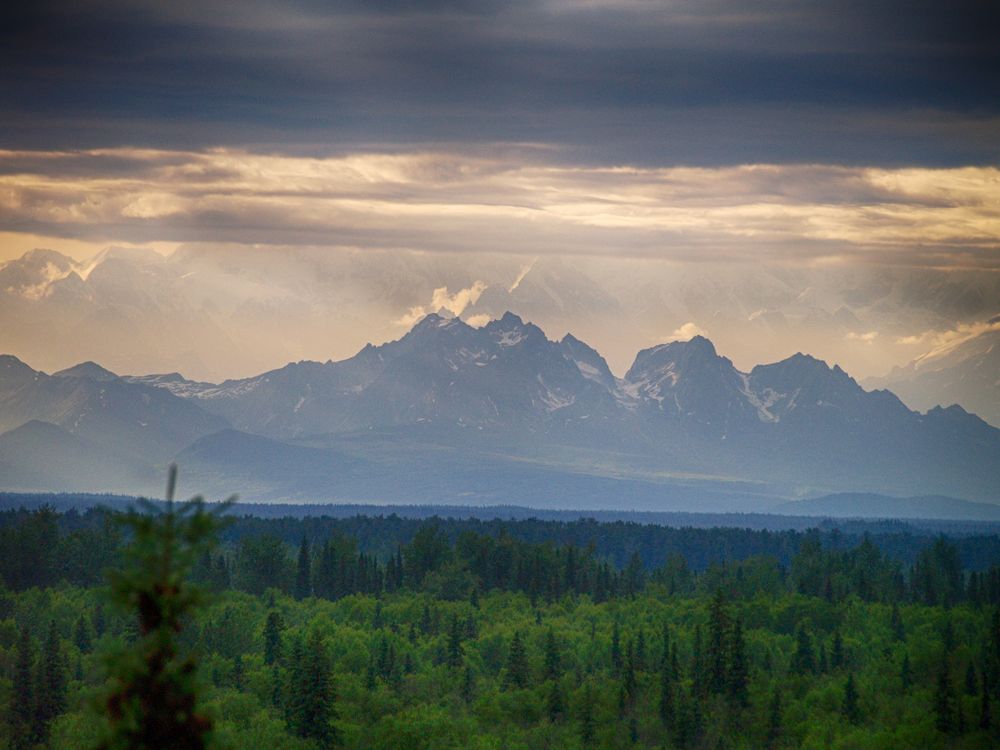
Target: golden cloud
x,y
430,201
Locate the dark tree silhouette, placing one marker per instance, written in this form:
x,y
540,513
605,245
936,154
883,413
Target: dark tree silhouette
x,y
154,699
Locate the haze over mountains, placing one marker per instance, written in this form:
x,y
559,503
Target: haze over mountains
x,y
452,413
215,312
964,372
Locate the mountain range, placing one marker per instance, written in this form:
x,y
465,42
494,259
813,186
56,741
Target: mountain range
x,y
453,413
224,312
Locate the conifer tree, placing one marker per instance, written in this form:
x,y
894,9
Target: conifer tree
x,y
850,707
905,673
554,702
81,636
616,649
666,705
455,650
665,652
98,620
294,679
944,703
738,674
629,684
837,652
154,699
468,685
22,694
303,572
698,681
426,624
587,723
774,720
315,710
803,661
640,651
275,686
50,693
552,660
896,624
517,664
718,632
272,637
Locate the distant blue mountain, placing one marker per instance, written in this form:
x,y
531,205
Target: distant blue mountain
x,y
501,414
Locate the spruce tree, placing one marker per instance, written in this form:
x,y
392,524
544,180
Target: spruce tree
x,y
294,679
426,623
850,707
154,699
665,652
616,650
303,572
516,675
272,637
905,673
81,636
50,693
718,631
22,694
455,650
896,624
468,685
774,720
944,703
587,723
698,681
629,684
737,674
315,711
803,661
552,660
837,652
554,702
98,620
275,686
667,709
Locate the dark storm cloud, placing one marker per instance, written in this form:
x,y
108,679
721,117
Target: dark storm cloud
x,y
637,82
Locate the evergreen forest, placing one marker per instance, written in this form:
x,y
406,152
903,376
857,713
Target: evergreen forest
x,y
181,626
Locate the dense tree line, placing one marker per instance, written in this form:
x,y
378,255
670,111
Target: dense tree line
x,y
541,558
482,640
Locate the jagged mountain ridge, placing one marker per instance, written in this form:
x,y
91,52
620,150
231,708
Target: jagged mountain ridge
x,y
681,409
147,423
967,374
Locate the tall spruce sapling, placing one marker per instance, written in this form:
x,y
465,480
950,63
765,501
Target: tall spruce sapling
x,y
154,699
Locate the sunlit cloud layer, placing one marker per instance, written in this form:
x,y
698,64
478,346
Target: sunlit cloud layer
x,y
521,203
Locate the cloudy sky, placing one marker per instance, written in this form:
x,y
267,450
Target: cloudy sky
x,y
849,135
